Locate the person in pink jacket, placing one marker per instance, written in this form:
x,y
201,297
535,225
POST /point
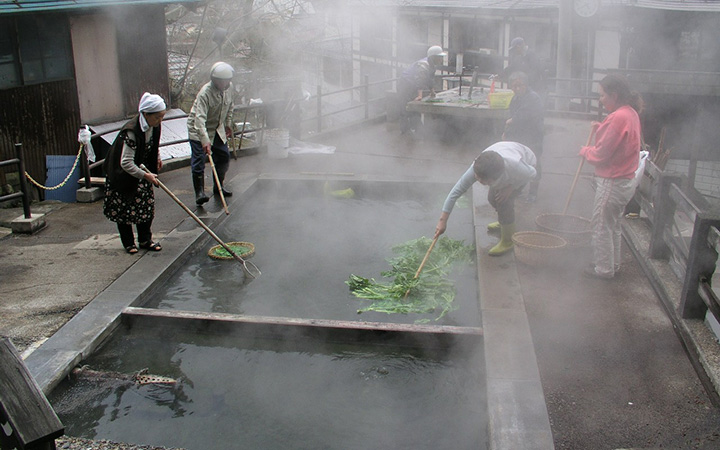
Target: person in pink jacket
x,y
615,156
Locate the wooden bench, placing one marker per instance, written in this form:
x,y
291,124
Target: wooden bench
x,y
94,181
27,421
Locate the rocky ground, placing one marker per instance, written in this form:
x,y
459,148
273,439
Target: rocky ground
x,y
71,443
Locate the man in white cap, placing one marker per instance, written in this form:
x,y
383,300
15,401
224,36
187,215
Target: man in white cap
x,y
419,77
520,59
209,126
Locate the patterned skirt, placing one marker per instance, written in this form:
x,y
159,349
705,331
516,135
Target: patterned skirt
x,y
132,207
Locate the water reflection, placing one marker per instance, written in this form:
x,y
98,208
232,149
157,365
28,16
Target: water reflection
x,y
244,392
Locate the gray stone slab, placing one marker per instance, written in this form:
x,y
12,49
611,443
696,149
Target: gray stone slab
x,y
509,351
89,195
47,366
498,283
518,416
30,225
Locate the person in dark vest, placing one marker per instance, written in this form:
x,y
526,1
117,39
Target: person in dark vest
x,y
129,196
419,77
526,123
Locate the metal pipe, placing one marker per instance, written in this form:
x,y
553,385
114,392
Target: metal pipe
x,y
86,168
367,96
319,108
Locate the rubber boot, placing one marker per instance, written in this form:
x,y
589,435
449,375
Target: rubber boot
x,y
506,243
221,177
493,227
199,185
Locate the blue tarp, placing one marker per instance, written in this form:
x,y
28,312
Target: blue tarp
x,y
58,167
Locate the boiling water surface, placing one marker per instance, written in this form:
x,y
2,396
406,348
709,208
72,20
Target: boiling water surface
x,y
243,393
309,237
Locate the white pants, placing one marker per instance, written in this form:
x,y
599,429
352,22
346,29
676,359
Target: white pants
x,y
611,197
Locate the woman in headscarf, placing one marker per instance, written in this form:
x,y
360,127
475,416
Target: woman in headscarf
x,y
129,196
615,156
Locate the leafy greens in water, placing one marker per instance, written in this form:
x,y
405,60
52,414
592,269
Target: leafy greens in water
x,y
431,292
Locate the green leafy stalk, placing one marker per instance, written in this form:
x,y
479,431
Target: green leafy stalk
x,y
431,292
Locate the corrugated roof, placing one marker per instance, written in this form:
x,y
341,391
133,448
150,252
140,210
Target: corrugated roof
x,y
473,4
24,6
174,129
678,5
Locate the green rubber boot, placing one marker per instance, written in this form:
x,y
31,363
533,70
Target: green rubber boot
x,y
493,227
506,243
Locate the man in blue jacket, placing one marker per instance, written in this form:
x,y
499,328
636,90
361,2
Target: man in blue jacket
x,y
419,77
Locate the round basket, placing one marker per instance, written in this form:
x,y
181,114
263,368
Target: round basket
x,y
535,247
242,249
577,231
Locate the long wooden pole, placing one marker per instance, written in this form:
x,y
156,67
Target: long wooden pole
x,y
217,183
207,229
242,132
577,173
424,260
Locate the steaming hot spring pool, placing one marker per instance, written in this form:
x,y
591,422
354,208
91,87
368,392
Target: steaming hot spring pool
x,y
268,384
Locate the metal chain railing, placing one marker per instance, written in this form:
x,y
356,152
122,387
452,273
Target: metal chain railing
x,y
58,186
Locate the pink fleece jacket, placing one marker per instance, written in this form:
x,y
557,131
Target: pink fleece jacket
x,y
617,145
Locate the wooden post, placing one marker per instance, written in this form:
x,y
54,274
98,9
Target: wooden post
x,y
319,108
701,263
367,97
664,208
23,406
23,183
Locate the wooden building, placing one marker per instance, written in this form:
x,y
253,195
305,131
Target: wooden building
x,y
64,64
670,50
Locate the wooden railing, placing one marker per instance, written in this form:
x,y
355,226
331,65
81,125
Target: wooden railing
x,y
24,193
364,103
686,231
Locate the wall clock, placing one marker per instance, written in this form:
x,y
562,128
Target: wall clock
x,y
586,8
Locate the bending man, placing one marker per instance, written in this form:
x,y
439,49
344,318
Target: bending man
x,y
506,167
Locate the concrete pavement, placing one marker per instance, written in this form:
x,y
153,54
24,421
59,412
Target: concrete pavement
x,y
603,357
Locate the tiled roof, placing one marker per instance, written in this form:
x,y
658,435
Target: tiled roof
x,y
439,4
21,6
680,5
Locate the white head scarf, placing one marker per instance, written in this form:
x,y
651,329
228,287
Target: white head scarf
x,y
150,103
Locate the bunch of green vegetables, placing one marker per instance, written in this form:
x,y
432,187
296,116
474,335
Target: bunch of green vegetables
x,y
431,292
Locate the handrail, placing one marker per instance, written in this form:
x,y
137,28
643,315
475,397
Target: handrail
x,y
662,195
319,95
23,194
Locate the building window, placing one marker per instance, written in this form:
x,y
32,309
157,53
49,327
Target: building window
x,y
412,39
34,49
376,37
9,74
337,71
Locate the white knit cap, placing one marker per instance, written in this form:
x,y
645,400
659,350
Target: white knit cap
x,y
151,103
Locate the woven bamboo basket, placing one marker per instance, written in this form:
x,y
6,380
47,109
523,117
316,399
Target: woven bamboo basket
x,y
536,248
242,249
576,230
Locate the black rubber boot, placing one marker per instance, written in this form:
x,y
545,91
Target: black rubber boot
x,y
199,185
221,176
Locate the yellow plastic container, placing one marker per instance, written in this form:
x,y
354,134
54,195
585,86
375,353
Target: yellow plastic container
x,y
500,100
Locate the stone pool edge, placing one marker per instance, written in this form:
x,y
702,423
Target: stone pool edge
x,y
53,360
517,412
